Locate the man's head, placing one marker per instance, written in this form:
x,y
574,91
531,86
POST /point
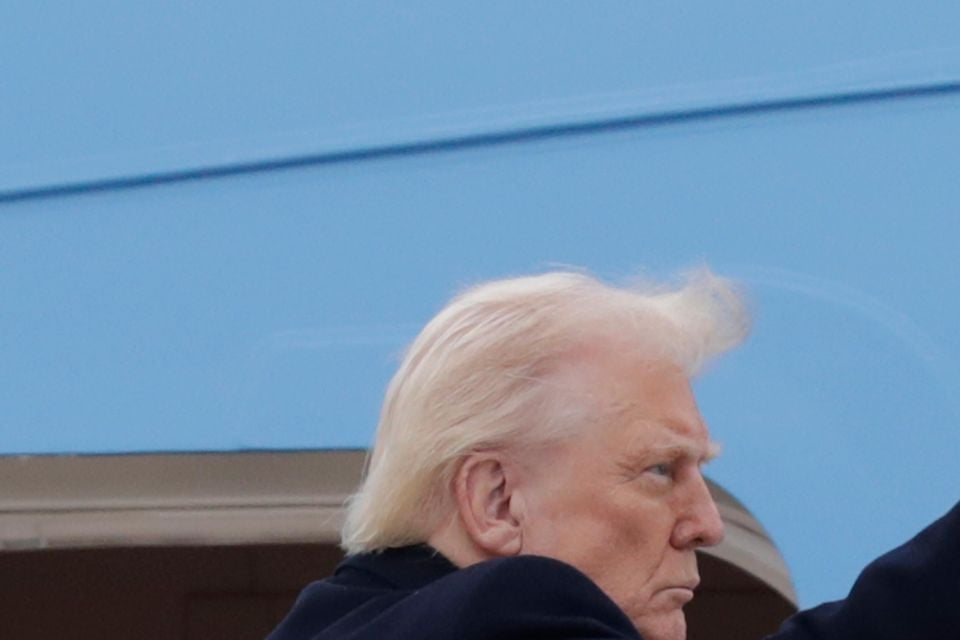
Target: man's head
x,y
552,415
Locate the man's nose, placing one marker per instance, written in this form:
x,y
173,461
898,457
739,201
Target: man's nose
x,y
699,524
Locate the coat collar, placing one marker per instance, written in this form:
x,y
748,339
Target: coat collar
x,y
402,568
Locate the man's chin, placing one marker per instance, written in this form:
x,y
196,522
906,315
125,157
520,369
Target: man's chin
x,y
668,625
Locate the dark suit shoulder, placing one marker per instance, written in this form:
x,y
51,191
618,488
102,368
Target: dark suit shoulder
x,y
539,583
520,598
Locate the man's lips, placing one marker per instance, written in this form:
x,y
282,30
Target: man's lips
x,y
690,584
682,594
683,589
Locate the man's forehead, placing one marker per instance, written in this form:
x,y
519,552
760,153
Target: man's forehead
x,y
620,381
635,402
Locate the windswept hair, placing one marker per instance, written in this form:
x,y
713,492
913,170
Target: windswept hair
x,y
475,378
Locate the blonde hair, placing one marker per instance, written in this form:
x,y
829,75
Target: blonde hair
x,y
473,379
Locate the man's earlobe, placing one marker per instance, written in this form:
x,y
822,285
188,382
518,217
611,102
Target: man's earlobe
x,y
486,500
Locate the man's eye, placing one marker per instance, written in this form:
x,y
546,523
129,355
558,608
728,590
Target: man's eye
x,y
664,470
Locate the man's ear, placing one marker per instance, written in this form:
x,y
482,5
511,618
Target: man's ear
x,y
488,504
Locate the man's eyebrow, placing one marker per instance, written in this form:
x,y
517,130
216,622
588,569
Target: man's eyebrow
x,y
683,451
713,450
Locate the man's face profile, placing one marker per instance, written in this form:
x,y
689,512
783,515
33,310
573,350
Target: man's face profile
x,y
625,501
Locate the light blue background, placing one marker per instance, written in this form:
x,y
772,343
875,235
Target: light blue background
x,y
219,228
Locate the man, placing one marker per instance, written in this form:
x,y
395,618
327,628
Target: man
x,y
537,475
